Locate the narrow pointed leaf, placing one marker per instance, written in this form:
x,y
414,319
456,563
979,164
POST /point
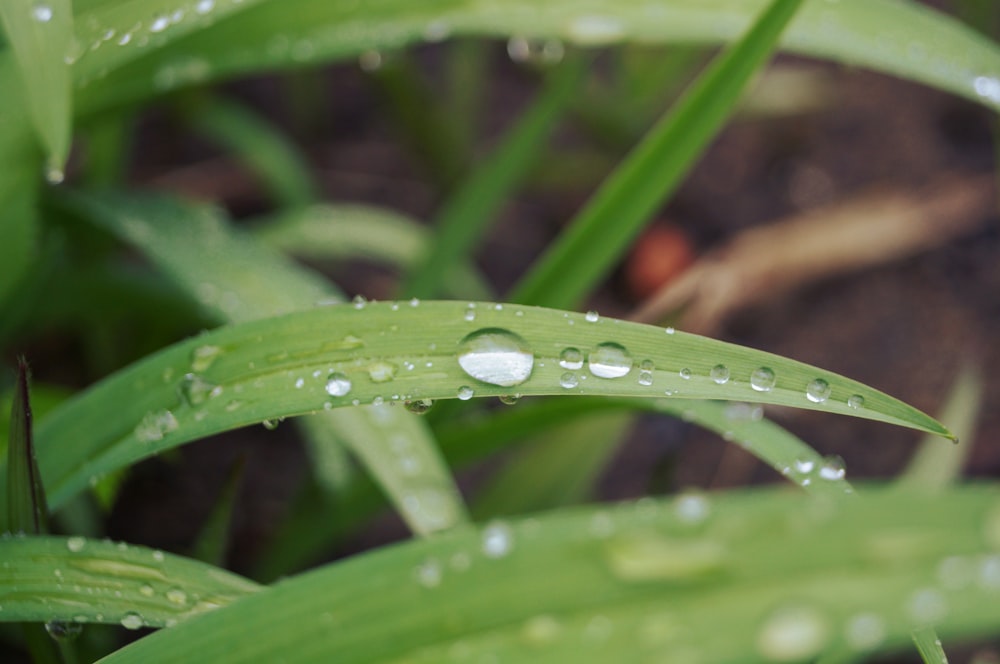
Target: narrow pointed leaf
x,y
584,254
27,511
323,358
237,278
80,580
213,540
929,646
790,580
40,33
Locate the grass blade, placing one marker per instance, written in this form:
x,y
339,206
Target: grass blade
x,y
465,216
342,232
107,582
238,279
627,583
929,646
27,511
626,201
213,540
249,372
39,33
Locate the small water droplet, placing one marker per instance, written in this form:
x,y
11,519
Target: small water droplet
x,y
692,507
381,372
832,468
569,380
685,373
496,356
428,573
720,374
271,424
855,401
418,406
41,12
465,393
155,425
609,360
592,317
436,31
470,315
535,51
337,384
204,6
177,596
146,590
159,24
818,391
762,379
987,87
864,631
509,399
359,301
300,383
793,633
195,390
497,540
370,61
131,620
571,358
645,378
669,330
203,357
61,630
595,30
414,302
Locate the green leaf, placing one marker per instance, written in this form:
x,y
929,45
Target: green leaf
x,y
343,232
929,646
626,201
900,38
27,511
80,580
464,217
341,355
237,278
40,33
213,540
789,579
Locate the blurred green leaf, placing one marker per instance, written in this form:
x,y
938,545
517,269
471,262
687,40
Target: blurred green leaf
x,y
210,547
929,646
789,579
27,510
583,254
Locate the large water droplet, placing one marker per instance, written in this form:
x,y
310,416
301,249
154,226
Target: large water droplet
x,y
177,596
159,24
592,317
202,357
692,507
132,620
75,544
855,401
987,87
832,468
204,6
381,372
41,12
762,379
818,391
497,540
465,393
195,390
418,406
496,356
64,631
571,358
509,399
685,373
791,634
155,425
609,360
720,374
337,384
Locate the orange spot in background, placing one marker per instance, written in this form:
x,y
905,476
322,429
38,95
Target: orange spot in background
x,y
660,255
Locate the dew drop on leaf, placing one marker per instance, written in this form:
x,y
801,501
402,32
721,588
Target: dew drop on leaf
x,y
571,358
685,373
792,634
337,384
418,406
762,379
592,317
132,620
818,391
465,393
496,356
41,12
381,372
75,544
203,357
64,631
855,401
609,360
428,573
720,374
497,540
509,399
569,380
832,468
195,390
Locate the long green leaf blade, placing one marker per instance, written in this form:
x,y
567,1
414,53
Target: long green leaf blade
x,y
39,34
336,356
79,580
27,511
901,38
790,580
626,201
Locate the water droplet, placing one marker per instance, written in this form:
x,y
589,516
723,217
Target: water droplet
x,y
203,357
465,393
177,596
497,540
818,391
61,630
720,374
509,399
643,556
987,87
792,634
428,573
541,630
595,30
736,411
270,425
989,573
370,61
571,358
592,317
535,51
378,400
685,373
418,406
804,466
155,425
131,620
864,631
436,31
609,360
41,12
645,378
692,507
496,356
300,383
337,384
414,302
832,468
159,23
195,390
359,301
470,315
157,555
381,372
762,379
855,401
669,330
927,606
146,590
204,6
569,380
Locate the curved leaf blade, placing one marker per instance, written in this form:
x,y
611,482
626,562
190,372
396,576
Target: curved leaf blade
x,y
325,358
